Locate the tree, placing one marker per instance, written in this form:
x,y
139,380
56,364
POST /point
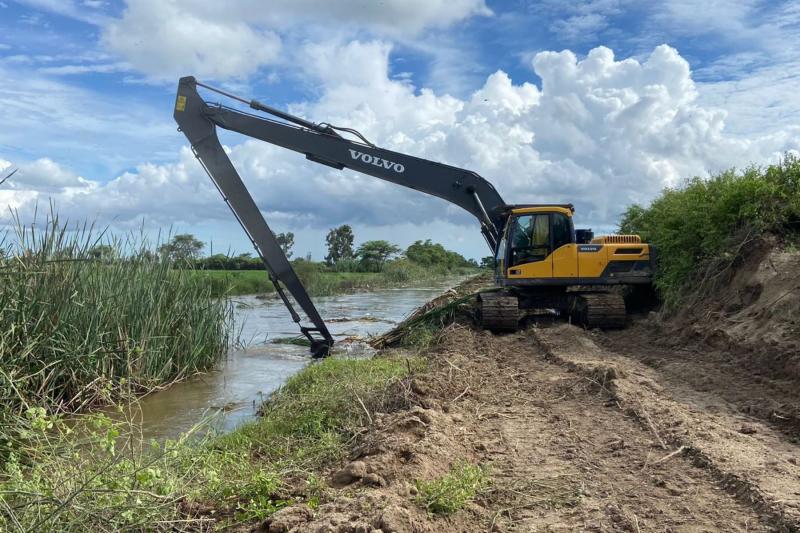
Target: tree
x,y
487,262
340,244
426,253
184,247
434,254
286,241
102,252
374,254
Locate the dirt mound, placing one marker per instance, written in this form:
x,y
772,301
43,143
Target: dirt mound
x,y
753,312
556,436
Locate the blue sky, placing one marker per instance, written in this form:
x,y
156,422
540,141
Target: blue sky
x,y
551,101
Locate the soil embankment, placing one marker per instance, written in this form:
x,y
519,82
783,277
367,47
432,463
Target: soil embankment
x,y
660,427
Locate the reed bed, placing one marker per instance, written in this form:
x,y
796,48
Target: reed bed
x,y
77,328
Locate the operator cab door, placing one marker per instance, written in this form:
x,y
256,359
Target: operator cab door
x,y
529,247
542,245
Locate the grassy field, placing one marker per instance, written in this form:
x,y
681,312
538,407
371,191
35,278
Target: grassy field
x,y
320,282
236,282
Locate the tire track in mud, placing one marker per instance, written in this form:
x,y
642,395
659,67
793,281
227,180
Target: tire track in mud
x,y
749,457
567,458
729,382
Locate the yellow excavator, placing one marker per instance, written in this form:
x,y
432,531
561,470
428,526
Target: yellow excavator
x,y
542,262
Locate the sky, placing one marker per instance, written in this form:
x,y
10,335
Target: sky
x,y
599,103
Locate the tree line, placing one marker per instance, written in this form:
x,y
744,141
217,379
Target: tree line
x,y
342,254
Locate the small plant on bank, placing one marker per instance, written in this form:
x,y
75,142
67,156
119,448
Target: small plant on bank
x,y
451,492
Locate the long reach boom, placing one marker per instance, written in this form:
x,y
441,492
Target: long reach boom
x,y
320,143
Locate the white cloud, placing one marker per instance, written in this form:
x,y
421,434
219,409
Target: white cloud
x,y
167,39
582,20
42,117
67,8
234,39
102,68
601,133
44,175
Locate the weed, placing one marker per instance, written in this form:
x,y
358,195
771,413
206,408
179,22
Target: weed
x,y
296,341
451,492
77,330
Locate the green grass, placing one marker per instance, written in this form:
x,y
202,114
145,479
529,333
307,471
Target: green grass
x,y
451,492
99,481
74,331
319,282
703,227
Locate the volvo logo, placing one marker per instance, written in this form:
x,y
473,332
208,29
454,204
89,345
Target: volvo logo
x,y
377,161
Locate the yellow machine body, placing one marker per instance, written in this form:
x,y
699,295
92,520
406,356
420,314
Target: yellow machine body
x,y
607,260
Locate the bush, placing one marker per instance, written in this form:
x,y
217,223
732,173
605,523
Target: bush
x,y
704,225
402,271
451,492
429,254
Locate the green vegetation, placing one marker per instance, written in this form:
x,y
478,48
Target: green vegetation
x,y
454,490
56,480
296,341
321,280
703,227
420,330
75,329
373,265
181,248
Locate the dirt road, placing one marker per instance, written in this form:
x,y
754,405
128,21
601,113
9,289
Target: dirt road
x,y
581,431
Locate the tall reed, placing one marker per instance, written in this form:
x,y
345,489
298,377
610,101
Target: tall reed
x,y
76,328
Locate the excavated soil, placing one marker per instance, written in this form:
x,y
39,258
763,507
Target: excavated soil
x,y
690,423
580,431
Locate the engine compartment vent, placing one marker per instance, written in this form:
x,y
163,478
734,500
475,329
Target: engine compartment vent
x,y
617,239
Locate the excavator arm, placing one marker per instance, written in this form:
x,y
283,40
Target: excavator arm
x,y
322,144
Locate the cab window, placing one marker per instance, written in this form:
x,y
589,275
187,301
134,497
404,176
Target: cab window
x,y
562,232
530,238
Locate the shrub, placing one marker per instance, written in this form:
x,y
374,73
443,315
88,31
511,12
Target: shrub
x,y
704,225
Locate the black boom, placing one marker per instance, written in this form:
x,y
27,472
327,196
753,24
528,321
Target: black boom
x,y
322,144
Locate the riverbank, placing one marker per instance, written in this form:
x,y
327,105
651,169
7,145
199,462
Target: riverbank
x,y
104,480
452,429
324,283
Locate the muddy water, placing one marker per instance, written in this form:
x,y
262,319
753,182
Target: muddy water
x,y
231,394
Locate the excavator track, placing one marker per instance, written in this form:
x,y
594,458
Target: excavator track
x,y
604,310
499,311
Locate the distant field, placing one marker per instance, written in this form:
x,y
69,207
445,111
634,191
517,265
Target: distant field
x,y
236,282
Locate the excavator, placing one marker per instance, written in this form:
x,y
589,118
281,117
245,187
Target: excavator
x,y
542,262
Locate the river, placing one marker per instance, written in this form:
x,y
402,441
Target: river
x,y
232,393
